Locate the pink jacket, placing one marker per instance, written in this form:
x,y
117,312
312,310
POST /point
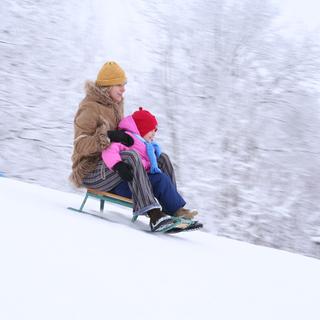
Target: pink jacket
x,y
111,155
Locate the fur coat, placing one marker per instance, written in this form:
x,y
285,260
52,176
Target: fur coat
x,y
97,114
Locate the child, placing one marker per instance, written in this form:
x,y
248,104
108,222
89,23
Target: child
x,y
142,127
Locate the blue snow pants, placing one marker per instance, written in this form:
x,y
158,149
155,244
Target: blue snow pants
x,y
163,189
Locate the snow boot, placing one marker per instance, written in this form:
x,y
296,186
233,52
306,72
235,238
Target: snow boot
x,y
160,222
186,213
193,226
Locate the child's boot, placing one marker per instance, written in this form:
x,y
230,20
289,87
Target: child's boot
x,y
186,213
160,222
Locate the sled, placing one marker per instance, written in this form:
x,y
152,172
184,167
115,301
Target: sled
x,y
104,196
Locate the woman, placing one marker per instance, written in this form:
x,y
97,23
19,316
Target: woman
x,y
95,126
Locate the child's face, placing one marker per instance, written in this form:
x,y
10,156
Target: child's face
x,y
150,135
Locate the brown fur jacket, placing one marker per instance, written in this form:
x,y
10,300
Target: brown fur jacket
x,y
97,114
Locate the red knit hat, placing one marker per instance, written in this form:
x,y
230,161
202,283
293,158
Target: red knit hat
x,y
145,121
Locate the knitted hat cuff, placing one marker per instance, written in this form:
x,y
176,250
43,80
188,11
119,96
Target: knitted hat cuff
x,y
111,82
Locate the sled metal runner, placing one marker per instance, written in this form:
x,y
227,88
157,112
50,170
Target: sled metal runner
x,y
103,197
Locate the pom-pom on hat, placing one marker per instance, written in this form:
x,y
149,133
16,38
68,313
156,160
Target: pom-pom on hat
x,y
145,121
111,74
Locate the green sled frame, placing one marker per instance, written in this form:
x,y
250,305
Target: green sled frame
x,y
103,197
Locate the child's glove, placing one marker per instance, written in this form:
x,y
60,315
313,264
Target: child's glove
x,y
120,136
124,170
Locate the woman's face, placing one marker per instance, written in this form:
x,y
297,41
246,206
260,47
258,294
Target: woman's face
x,y
116,92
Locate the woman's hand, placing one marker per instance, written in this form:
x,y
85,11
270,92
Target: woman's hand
x,y
120,136
124,170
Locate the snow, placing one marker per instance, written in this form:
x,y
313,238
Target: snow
x,y
59,264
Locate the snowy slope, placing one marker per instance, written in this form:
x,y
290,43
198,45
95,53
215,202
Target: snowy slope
x,y
57,264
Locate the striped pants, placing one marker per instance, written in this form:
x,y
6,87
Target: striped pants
x,y
143,197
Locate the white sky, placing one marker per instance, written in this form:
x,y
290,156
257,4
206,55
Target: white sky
x,y
300,13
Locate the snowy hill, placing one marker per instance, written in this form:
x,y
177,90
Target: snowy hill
x,y
57,264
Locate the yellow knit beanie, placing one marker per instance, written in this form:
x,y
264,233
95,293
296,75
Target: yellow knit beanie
x,y
110,74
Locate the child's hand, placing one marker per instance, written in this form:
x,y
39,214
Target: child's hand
x,y
124,170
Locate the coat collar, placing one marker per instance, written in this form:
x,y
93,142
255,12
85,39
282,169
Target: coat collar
x,y
96,94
